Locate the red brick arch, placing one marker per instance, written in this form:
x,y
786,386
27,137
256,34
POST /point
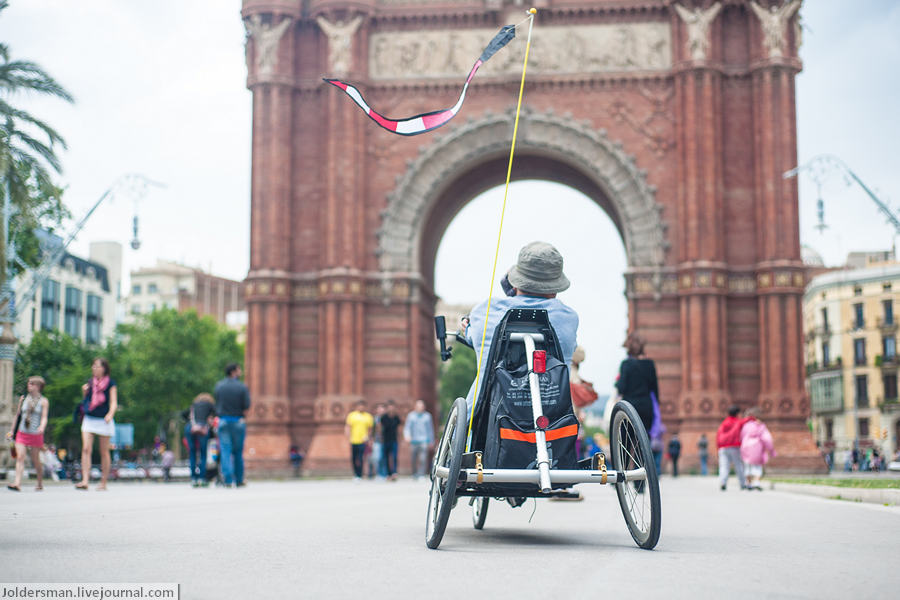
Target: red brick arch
x,y
678,128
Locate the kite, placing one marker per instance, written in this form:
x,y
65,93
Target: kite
x,y
431,120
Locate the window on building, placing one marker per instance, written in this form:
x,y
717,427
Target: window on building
x,y
858,322
862,391
151,288
93,319
135,309
136,290
50,305
859,351
829,429
825,319
888,311
864,427
152,306
889,347
73,312
826,354
890,387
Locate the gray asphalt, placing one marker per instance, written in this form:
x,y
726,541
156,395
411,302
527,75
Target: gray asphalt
x,y
340,539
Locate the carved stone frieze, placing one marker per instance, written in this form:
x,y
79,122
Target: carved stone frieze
x,y
397,55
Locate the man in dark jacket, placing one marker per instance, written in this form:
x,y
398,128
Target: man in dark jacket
x,y
674,453
728,439
232,403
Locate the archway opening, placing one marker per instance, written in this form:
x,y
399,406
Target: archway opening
x,y
462,240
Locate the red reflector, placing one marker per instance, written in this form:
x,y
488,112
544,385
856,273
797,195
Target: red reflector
x,y
542,422
540,361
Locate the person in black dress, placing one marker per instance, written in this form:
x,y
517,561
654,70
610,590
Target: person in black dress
x,y
637,379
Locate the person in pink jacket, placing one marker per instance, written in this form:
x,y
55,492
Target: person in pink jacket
x,y
756,449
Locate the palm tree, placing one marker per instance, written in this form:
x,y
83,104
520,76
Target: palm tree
x,y
27,149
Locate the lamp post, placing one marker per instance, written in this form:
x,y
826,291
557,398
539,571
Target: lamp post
x,y
131,185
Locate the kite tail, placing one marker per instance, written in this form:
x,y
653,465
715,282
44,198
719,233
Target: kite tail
x,y
413,125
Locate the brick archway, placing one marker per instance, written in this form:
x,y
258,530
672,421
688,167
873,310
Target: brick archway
x,y
449,172
677,118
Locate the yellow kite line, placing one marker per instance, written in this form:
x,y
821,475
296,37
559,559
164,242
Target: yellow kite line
x,y
512,150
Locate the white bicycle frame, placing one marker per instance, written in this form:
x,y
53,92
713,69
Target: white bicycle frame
x,y
543,476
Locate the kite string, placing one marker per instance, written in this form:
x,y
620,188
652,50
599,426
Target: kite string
x,y
512,151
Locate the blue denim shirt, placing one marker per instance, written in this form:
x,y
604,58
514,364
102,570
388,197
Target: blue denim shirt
x,y
563,319
419,428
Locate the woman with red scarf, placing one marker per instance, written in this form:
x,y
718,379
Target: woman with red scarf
x,y
100,403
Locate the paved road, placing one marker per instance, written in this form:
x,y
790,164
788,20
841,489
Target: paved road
x,y
339,539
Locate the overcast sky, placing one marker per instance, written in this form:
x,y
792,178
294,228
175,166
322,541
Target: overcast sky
x,y
160,90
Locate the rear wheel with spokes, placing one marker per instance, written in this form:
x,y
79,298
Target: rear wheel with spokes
x,y
443,489
479,511
639,497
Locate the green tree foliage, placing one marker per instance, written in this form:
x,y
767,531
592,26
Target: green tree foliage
x,y
159,364
167,359
65,364
456,377
27,150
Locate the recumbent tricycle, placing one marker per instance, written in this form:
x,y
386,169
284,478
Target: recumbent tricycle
x,y
522,440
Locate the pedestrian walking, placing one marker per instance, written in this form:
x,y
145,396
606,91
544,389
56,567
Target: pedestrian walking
x,y
376,450
703,452
357,428
637,380
232,403
419,433
31,419
197,432
296,457
101,400
674,453
390,423
728,440
757,448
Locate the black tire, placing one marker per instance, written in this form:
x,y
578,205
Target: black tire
x,y
480,511
443,491
629,450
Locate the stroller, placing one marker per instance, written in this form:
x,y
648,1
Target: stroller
x,y
522,439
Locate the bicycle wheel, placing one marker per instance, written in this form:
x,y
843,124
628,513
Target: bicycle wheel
x,y
479,511
443,491
639,499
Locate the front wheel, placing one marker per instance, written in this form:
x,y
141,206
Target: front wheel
x,y
479,511
443,490
639,498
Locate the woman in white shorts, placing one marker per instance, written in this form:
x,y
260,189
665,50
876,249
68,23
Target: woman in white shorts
x,y
100,404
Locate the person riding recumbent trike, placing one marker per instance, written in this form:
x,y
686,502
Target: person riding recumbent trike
x,y
522,442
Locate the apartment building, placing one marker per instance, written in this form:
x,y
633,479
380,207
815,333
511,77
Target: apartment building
x,y
173,285
79,296
851,354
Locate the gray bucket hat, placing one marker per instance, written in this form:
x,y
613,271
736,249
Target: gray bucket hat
x,y
539,270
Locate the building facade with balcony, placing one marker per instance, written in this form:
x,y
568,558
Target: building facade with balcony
x,y
851,330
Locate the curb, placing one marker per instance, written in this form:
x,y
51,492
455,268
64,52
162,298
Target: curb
x,y
875,496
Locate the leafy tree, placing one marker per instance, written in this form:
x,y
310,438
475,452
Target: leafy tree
x,y
163,362
456,377
25,156
65,363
